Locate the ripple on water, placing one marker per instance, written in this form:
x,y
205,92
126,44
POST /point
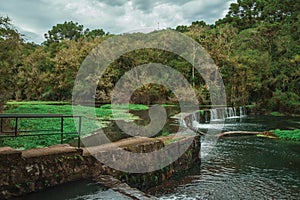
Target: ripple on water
x,y
78,190
245,168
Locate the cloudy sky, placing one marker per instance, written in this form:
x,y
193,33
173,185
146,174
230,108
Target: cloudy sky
x,y
35,17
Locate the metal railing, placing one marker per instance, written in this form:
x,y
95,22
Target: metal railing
x,y
16,132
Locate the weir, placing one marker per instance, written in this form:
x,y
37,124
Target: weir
x,y
201,118
23,172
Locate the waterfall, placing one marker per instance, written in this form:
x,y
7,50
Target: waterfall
x,y
242,111
213,114
230,112
183,123
194,117
223,113
200,119
196,124
195,120
234,111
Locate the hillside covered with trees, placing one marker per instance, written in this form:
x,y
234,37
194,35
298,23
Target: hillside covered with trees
x,y
256,47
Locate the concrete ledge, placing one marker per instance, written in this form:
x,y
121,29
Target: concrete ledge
x,y
122,144
57,149
8,153
8,150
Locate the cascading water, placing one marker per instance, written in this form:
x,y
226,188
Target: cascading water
x,y
183,123
215,114
242,111
232,113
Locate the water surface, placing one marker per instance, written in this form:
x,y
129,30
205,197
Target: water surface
x,y
244,167
78,190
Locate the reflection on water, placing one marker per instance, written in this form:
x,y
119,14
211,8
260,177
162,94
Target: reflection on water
x,y
244,168
80,190
252,123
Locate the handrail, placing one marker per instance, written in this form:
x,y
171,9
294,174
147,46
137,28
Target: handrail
x,y
16,117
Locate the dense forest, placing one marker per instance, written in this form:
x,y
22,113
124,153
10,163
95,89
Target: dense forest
x,y
256,47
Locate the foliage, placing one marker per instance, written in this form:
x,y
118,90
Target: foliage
x,y
287,134
67,30
276,114
37,103
124,106
103,114
247,13
256,47
10,45
71,31
164,133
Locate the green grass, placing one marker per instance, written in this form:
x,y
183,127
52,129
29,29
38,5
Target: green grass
x,y
89,124
251,106
277,114
287,134
126,106
164,133
38,103
168,105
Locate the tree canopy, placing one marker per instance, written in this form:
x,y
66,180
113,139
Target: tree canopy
x,y
256,46
10,45
71,31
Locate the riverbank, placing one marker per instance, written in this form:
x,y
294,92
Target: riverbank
x,y
103,116
273,134
287,134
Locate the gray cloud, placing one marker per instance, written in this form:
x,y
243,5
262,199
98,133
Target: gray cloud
x,y
114,2
149,6
209,11
36,17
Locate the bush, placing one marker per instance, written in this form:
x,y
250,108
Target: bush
x,y
285,102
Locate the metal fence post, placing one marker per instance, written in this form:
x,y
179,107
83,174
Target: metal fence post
x,y
62,130
17,131
1,127
79,131
16,127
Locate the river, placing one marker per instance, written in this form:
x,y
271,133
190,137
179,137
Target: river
x,y
239,167
244,167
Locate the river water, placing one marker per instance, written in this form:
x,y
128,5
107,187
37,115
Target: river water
x,y
243,167
78,190
239,167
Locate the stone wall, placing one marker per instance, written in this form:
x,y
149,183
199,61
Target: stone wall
x,y
28,171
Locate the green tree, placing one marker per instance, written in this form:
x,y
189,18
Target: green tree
x,y
65,31
10,45
182,28
34,75
66,65
96,33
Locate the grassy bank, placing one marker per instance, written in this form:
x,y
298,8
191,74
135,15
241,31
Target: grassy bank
x,y
103,114
287,134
